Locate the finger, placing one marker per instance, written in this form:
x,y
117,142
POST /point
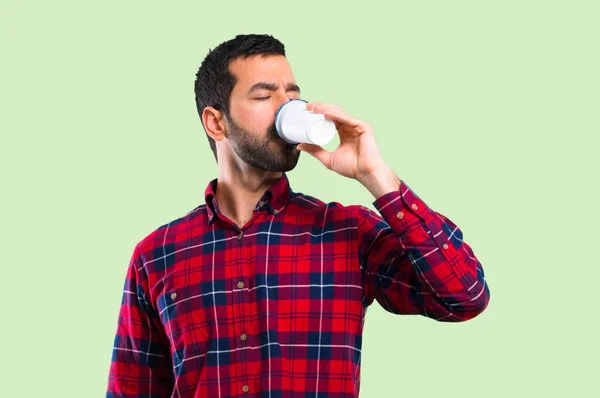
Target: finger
x,y
321,107
340,118
335,113
318,152
343,118
319,103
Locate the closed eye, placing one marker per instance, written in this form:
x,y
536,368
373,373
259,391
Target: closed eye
x,y
266,98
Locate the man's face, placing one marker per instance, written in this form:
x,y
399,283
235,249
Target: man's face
x,y
263,85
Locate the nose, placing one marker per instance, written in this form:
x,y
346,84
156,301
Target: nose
x,y
281,99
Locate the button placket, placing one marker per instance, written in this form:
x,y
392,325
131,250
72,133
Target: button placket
x,y
239,282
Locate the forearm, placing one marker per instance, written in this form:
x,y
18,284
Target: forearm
x,y
432,271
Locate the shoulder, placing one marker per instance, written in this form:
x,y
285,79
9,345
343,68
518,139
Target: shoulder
x,y
303,204
166,234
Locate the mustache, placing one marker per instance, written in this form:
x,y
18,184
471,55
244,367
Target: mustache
x,y
272,131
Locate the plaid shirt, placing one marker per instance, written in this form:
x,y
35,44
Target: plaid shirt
x,y
277,308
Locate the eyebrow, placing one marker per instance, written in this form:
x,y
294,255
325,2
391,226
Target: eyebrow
x,y
273,87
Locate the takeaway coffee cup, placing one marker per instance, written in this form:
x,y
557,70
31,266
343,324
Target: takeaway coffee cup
x,y
295,124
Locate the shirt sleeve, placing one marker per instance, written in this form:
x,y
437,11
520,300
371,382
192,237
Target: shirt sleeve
x,y
140,365
414,260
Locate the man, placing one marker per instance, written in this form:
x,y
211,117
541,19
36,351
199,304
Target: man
x,y
262,291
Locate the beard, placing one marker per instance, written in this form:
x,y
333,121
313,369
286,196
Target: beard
x,y
270,152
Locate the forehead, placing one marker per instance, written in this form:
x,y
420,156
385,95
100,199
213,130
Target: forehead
x,y
257,68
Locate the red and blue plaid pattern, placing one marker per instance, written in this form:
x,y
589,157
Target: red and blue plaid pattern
x,y
276,309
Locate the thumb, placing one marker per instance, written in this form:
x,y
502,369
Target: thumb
x,y
316,151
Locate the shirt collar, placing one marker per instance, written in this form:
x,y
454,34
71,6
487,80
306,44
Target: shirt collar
x,y
274,199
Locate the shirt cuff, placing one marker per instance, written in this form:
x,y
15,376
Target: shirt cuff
x,y
401,206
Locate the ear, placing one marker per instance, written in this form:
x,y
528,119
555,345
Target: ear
x,y
214,123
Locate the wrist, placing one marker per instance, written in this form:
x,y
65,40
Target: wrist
x,y
380,181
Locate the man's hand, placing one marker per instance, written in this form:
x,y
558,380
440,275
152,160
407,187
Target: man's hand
x,y
357,156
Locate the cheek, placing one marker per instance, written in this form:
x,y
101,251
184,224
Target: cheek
x,y
258,118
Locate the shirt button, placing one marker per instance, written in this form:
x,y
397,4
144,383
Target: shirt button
x,y
445,246
414,206
261,203
240,236
245,388
243,336
240,285
173,296
275,211
400,215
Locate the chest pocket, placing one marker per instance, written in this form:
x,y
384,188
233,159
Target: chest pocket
x,y
187,312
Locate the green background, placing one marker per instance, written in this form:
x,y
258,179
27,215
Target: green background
x,y
488,110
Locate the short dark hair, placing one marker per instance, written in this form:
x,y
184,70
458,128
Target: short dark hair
x,y
214,82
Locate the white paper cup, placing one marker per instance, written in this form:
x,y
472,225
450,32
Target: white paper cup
x,y
295,124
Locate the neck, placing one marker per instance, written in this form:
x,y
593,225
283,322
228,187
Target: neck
x,y
240,188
